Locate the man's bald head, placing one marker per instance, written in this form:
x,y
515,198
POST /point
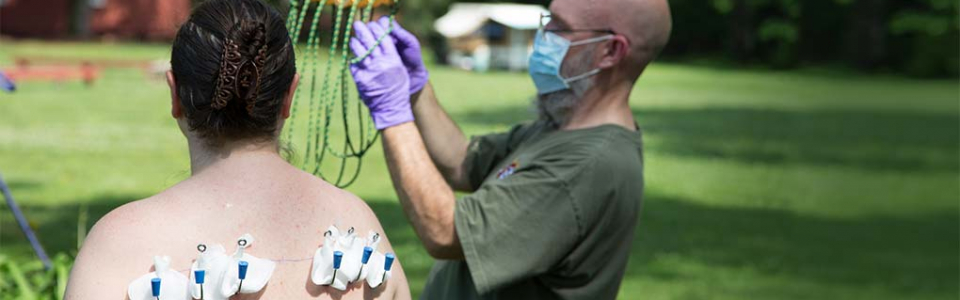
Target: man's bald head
x,y
646,24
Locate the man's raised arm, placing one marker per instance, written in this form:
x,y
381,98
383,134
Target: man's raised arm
x,y
443,139
384,86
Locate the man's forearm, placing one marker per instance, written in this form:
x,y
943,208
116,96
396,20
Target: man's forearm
x,y
444,141
427,200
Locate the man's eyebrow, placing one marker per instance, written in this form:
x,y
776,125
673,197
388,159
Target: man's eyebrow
x,y
557,18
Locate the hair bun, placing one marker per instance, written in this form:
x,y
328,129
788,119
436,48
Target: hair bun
x,y
234,63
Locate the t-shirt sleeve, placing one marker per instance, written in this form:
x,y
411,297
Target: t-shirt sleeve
x,y
486,151
515,228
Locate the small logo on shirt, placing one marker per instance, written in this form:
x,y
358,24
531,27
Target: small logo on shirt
x,y
503,173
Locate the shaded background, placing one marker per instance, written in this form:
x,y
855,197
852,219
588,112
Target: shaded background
x,y
794,149
915,37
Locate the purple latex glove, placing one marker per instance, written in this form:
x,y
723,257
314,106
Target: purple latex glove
x,y
409,48
381,77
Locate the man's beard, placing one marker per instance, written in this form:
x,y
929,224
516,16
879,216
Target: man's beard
x,y
556,107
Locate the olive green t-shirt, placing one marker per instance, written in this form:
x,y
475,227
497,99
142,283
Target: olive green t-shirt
x,y
552,217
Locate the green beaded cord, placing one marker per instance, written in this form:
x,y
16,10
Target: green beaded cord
x,y
335,84
314,102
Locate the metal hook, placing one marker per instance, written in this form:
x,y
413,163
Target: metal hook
x,y
387,265
199,276
202,248
367,251
337,259
242,242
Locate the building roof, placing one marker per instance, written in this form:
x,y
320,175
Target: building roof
x,y
466,18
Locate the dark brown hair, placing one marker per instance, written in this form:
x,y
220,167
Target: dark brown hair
x,y
233,63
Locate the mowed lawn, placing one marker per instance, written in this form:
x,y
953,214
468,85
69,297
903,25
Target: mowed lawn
x,y
759,184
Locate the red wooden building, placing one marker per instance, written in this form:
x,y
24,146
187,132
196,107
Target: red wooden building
x,y
127,19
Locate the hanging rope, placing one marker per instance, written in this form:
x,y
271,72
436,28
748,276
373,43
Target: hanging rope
x,y
334,97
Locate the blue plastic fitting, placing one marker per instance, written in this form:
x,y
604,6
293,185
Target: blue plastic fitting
x,y
243,269
337,258
388,261
366,254
199,275
155,286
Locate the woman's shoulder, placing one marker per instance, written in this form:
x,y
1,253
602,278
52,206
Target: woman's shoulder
x,y
128,220
131,221
103,264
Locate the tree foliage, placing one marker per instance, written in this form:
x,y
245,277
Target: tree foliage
x,y
919,37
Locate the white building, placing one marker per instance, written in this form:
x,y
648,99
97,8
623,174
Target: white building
x,y
490,36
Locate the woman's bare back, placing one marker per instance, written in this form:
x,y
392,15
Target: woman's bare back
x,y
286,210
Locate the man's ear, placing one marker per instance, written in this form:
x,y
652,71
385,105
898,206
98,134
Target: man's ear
x,y
288,99
176,110
615,52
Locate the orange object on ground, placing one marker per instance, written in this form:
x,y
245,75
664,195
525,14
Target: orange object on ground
x,y
86,72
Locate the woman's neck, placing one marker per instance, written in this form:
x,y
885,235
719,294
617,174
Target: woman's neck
x,y
231,156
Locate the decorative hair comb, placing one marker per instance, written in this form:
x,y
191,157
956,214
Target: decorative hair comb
x,y
240,77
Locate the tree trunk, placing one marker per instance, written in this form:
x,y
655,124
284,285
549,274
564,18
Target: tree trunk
x,y
743,31
867,35
81,18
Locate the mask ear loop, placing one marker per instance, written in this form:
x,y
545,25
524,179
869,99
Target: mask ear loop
x,y
592,40
582,76
584,42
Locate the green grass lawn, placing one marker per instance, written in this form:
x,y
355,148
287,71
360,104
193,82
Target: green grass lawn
x,y
760,184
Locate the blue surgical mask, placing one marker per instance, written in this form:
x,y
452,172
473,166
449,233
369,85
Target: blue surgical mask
x,y
549,50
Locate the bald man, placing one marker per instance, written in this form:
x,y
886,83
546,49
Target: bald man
x,y
553,203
